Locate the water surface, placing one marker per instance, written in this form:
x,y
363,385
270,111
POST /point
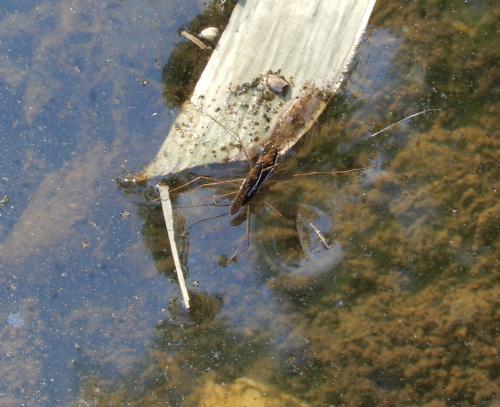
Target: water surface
x,y
402,308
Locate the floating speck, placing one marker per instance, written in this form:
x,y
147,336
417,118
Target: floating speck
x,y
15,320
4,201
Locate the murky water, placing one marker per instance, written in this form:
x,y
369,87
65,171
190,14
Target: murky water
x,y
402,309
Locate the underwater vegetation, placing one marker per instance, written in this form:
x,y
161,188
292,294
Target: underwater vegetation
x,y
419,320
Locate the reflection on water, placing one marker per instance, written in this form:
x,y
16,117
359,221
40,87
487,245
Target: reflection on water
x,y
398,308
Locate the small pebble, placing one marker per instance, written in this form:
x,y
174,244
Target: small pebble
x,y
210,33
277,84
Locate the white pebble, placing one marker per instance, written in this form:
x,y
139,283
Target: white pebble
x,y
210,33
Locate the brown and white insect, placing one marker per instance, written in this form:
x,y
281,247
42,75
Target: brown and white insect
x,y
256,176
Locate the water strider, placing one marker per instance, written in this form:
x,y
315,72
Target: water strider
x,y
255,178
291,121
294,119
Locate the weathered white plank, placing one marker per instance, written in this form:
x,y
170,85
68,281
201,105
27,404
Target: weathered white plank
x,y
311,41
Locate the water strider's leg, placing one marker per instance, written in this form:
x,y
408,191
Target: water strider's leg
x,y
208,184
334,172
206,220
212,201
237,251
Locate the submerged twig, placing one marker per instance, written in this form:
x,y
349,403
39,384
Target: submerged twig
x,y
273,209
169,222
194,39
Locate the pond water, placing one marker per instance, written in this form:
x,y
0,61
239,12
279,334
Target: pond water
x,y
401,309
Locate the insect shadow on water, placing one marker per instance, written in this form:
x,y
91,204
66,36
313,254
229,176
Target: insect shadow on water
x,y
252,184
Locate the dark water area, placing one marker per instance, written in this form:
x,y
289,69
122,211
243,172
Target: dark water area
x,y
401,309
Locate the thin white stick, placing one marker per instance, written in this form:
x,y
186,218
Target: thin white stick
x,y
320,235
169,222
402,120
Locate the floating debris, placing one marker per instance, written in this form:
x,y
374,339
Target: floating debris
x,y
4,201
210,33
296,117
320,235
169,221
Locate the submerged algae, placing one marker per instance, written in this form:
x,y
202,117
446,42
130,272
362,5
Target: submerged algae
x,y
420,324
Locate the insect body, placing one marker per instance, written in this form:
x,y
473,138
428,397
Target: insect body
x,y
295,119
254,179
